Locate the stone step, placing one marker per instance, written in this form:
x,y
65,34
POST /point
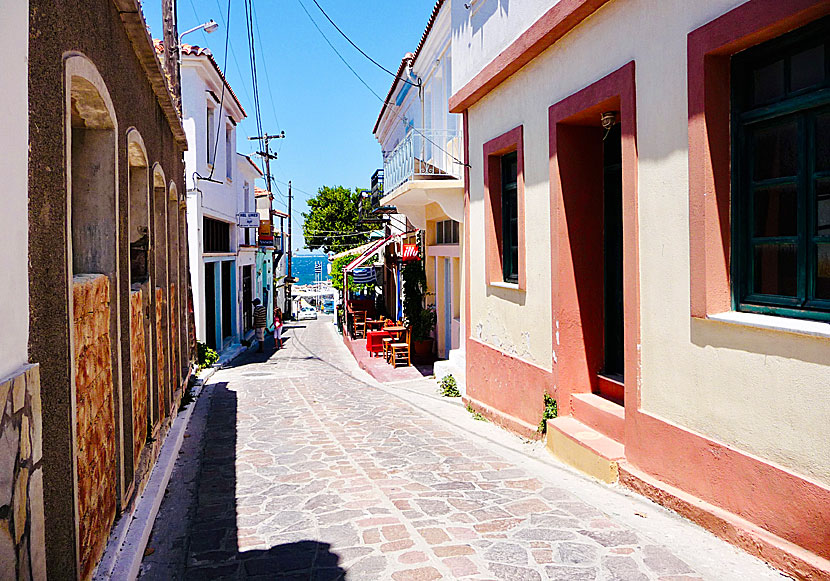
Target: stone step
x,y
584,448
600,414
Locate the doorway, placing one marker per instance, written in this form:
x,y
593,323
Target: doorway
x,y
613,341
210,305
447,306
227,300
247,298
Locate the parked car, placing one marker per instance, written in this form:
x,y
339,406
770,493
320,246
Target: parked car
x,y
307,313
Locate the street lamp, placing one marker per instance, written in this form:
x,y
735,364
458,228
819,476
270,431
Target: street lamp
x,y
209,26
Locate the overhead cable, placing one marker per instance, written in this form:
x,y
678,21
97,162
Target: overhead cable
x,y
360,50
371,90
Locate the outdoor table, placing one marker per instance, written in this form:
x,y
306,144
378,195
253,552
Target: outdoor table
x,y
395,330
374,341
373,324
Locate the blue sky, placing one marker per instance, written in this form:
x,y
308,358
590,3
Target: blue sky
x,y
326,113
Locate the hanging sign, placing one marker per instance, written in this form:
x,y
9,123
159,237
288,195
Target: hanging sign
x,y
410,252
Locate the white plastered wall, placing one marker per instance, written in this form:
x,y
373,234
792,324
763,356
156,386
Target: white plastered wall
x,y
764,392
14,219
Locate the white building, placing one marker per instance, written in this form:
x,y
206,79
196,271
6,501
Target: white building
x,y
423,174
218,249
248,268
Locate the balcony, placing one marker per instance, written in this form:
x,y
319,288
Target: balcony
x,y
424,154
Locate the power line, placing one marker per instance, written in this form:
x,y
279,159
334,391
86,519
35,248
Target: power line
x,y
204,36
360,50
267,76
371,90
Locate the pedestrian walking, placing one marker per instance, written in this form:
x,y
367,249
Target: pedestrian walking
x,y
260,323
277,328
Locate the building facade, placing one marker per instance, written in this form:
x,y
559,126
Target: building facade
x,y
211,113
423,174
646,243
98,346
248,264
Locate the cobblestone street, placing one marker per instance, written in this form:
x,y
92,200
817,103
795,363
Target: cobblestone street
x,y
299,466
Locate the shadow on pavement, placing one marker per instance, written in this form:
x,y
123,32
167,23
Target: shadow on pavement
x,y
212,543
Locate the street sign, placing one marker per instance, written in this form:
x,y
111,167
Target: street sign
x,y
247,219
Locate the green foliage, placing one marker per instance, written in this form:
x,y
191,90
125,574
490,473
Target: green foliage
x,y
550,412
206,356
421,318
414,288
476,416
332,221
424,323
448,386
337,274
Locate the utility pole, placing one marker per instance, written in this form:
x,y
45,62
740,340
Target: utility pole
x,y
290,244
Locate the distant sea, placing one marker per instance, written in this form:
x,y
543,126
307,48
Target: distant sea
x,y
302,266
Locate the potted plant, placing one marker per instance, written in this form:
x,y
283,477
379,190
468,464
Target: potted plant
x,y
422,328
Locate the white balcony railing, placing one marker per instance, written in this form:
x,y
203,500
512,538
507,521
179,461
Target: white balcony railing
x,y
424,154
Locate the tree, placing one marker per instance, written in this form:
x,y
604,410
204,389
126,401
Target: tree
x,y
332,222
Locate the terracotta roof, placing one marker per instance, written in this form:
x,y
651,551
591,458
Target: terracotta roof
x,y
412,58
260,191
253,163
428,29
193,50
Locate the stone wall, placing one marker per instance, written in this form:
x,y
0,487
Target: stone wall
x,y
174,342
160,343
95,418
138,368
22,534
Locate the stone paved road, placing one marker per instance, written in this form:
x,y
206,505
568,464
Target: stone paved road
x,y
298,467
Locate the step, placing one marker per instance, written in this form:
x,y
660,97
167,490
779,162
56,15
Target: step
x,y
584,448
604,416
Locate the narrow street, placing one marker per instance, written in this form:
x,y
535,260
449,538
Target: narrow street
x,y
298,466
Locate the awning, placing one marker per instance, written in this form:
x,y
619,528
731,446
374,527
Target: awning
x,y
374,249
356,250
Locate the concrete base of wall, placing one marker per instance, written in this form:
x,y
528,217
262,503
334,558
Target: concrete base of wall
x,y
585,449
791,558
514,424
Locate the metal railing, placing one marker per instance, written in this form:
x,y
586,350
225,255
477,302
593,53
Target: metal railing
x,y
423,154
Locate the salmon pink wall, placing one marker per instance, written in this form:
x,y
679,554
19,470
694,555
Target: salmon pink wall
x,y
575,142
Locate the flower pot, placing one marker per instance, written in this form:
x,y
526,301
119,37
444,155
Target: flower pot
x,y
422,348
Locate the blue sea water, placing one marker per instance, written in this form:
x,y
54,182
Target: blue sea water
x,y
302,266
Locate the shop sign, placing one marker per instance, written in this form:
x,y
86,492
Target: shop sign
x,y
410,252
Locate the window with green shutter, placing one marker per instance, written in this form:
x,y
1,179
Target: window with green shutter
x,y
781,175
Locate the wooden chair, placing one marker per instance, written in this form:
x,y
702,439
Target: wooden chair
x,y
359,324
387,341
400,351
